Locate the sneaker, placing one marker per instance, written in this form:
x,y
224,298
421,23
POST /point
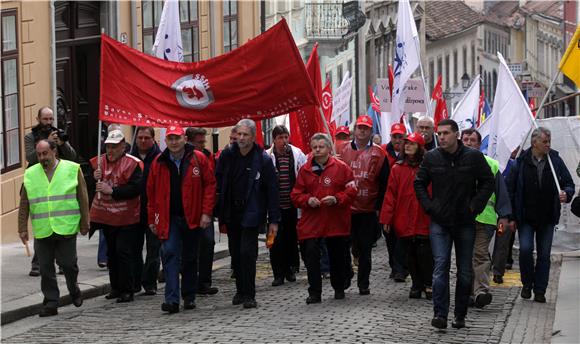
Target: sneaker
x,y
250,303
458,322
498,279
207,291
291,277
34,272
439,322
237,300
526,292
313,299
170,307
540,297
47,312
188,304
415,294
364,291
483,299
278,281
339,294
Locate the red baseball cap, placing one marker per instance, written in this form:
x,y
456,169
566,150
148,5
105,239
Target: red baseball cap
x,y
342,130
365,120
417,138
173,130
398,128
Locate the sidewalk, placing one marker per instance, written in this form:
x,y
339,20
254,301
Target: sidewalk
x,y
21,295
567,319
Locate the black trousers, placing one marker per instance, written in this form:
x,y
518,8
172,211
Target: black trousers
x,y
396,256
310,249
121,253
418,259
243,245
145,272
364,234
206,254
63,249
285,248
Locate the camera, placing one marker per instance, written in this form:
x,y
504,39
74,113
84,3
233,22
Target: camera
x,y
61,134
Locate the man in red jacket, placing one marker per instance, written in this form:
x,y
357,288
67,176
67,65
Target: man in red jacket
x,y
181,194
324,191
371,172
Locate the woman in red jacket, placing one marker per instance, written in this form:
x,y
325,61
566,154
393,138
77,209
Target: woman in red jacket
x,y
324,191
402,213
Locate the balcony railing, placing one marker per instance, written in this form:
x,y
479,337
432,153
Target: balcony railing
x,y
325,21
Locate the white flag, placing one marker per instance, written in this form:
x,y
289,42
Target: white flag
x,y
341,102
466,111
167,44
510,119
407,57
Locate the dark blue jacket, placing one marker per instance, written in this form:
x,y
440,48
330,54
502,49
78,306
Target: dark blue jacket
x,y
262,189
516,184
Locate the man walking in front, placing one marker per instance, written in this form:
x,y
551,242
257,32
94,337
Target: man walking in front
x,y
247,189
54,194
181,197
462,183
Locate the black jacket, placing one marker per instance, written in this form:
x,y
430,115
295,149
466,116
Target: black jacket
x,y
149,157
462,184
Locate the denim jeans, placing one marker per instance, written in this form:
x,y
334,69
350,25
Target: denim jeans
x,y
535,276
442,238
179,252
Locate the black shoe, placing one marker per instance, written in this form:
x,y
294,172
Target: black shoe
x,y
483,299
313,299
250,303
77,298
125,297
149,292
102,264
161,276
400,278
540,297
47,312
112,295
326,275
428,293
458,322
339,294
34,272
170,307
277,281
188,304
291,277
208,291
439,323
364,291
415,293
498,279
237,300
526,292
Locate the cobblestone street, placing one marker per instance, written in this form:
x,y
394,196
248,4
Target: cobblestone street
x,y
385,316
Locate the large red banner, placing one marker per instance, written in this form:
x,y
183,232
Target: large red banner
x,y
261,79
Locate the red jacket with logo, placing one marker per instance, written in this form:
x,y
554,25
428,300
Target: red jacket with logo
x,y
401,209
198,191
325,221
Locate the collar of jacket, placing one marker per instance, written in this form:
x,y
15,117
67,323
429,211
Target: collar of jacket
x,y
308,166
150,155
164,157
452,156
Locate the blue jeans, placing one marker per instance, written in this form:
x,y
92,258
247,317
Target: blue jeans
x,y
537,276
442,239
179,254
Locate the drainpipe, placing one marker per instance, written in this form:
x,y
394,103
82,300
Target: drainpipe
x,y
214,131
134,40
53,62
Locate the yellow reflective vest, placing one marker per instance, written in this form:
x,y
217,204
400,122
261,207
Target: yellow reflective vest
x,y
53,205
488,216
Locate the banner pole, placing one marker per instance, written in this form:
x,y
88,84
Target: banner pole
x,y
326,127
99,152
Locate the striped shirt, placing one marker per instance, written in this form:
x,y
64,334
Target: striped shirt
x,y
283,161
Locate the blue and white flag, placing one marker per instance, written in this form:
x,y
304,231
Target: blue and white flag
x,y
466,111
407,57
167,44
510,120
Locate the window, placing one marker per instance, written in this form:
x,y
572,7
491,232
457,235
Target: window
x,y
10,123
473,60
464,59
349,67
439,66
455,67
447,72
188,16
230,25
339,73
431,74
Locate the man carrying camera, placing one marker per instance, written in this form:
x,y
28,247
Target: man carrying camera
x,y
46,131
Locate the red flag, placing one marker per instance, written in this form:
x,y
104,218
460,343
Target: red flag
x,y
391,78
437,91
259,134
326,103
263,78
374,101
440,112
307,119
532,104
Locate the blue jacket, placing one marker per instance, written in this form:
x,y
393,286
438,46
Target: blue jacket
x,y
516,184
262,189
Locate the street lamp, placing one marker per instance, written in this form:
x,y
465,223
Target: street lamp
x,y
465,82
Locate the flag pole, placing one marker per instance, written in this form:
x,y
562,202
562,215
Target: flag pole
x,y
326,127
99,151
425,89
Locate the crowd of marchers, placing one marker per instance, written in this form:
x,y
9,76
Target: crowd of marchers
x,y
425,192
